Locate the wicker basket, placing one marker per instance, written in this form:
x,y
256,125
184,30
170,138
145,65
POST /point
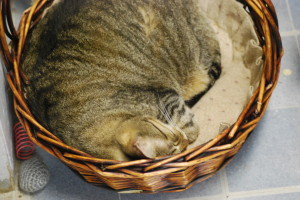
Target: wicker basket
x,y
164,174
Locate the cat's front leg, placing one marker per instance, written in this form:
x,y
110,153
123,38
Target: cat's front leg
x,y
175,112
201,80
215,69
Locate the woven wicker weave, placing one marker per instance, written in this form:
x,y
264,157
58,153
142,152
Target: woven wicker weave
x,y
165,174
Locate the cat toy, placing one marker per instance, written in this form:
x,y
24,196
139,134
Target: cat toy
x,y
24,146
33,173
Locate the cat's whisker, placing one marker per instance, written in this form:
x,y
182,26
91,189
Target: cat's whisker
x,y
172,122
167,119
163,128
166,130
167,116
165,113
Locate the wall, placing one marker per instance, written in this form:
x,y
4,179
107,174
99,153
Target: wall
x,y
6,139
6,136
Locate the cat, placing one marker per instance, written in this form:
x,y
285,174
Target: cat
x,y
116,78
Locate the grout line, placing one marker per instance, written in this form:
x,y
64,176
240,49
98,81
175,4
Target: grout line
x,y
290,33
294,32
214,197
8,195
17,194
290,13
251,193
224,183
209,197
293,24
282,107
119,196
298,43
265,192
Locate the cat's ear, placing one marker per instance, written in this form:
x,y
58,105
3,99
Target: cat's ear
x,y
135,145
147,138
145,147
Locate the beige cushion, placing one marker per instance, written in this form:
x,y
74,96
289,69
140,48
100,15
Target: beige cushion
x,y
241,68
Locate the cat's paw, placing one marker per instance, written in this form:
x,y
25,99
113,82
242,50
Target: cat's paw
x,y
193,91
215,71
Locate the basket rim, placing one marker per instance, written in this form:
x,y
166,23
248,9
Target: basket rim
x,y
223,147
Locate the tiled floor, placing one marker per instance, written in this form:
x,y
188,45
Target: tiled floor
x,y
267,167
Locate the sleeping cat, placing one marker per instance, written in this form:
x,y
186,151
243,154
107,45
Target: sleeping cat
x,y
113,78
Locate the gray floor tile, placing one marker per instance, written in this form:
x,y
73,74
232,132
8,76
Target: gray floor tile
x,y
287,93
209,187
271,156
141,196
292,196
285,23
17,9
268,159
66,185
295,9
6,196
298,37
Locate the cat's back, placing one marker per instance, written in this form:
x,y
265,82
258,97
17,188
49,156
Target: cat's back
x,y
109,38
82,53
79,55
93,64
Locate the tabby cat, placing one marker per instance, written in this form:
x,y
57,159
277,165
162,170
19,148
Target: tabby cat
x,y
114,78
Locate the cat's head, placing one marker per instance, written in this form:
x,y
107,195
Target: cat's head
x,y
149,138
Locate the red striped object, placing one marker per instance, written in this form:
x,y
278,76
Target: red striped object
x,y
24,146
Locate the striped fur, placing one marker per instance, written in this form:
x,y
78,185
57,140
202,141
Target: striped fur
x,y
111,77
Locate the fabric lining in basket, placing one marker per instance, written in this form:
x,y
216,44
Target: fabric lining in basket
x,y
169,173
241,68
